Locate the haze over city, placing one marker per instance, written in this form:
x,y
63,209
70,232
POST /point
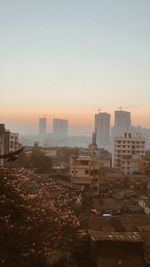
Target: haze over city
x,y
74,133
69,58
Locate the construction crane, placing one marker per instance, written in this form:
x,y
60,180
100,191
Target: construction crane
x,y
99,110
120,108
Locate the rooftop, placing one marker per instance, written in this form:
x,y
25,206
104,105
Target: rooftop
x,y
115,236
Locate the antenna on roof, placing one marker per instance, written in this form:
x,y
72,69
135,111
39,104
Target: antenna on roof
x,y
99,110
126,107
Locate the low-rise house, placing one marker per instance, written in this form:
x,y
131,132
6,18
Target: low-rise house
x,y
111,181
116,249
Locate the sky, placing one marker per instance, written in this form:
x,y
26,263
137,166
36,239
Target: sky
x,y
67,59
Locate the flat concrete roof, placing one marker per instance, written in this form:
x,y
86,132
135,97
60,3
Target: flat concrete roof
x,y
115,236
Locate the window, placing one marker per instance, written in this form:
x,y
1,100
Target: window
x,y
95,171
95,188
86,172
84,162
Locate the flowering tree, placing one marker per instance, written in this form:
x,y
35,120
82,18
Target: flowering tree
x,y
35,218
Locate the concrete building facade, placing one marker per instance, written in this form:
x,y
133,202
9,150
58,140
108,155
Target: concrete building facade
x,y
13,142
102,129
122,123
60,128
85,170
9,142
128,151
2,137
42,126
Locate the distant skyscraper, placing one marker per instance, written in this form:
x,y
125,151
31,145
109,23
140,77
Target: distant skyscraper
x,y
60,128
102,129
42,126
122,123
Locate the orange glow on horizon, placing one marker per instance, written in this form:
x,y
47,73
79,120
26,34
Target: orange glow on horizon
x,y
78,117
30,115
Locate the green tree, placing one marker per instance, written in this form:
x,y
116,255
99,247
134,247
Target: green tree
x,y
40,161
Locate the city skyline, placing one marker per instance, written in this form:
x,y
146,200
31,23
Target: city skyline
x,y
68,59
77,128
75,133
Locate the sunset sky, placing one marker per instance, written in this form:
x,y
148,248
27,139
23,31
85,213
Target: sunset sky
x,y
67,59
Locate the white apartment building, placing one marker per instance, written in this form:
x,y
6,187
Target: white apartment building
x,y
128,151
13,142
84,170
9,142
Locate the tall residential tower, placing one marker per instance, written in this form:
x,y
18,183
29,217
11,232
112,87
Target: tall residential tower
x,y
60,128
102,129
42,126
122,123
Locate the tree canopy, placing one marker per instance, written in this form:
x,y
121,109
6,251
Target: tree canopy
x,y
32,221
